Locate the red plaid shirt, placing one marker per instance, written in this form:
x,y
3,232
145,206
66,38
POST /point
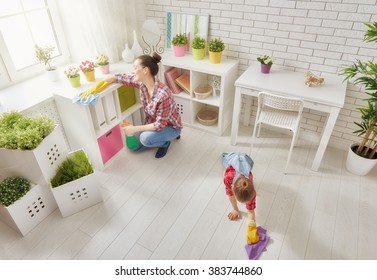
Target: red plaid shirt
x,y
229,174
161,110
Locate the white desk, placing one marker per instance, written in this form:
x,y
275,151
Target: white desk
x,y
328,98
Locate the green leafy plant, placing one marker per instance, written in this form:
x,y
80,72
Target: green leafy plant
x,y
75,166
180,39
12,189
198,43
101,59
265,59
23,133
44,55
216,45
365,74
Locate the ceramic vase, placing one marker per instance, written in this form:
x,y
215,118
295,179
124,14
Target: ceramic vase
x,y
136,48
90,76
198,54
179,50
105,69
75,81
358,165
265,69
52,74
128,54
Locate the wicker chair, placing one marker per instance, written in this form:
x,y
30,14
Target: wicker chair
x,y
279,111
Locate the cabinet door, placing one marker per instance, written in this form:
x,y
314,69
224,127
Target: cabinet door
x,y
110,143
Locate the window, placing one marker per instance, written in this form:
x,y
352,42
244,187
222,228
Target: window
x,y
24,23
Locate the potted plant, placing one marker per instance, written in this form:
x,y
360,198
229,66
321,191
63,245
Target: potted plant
x,y
179,43
23,205
87,67
73,75
198,46
362,156
74,184
265,63
44,55
102,61
30,146
215,49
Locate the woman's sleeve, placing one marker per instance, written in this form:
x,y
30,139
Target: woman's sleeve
x,y
126,79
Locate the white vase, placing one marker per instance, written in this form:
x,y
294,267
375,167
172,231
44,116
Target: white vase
x,y
128,54
52,74
357,164
136,48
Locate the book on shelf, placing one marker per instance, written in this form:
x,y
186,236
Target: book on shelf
x,y
184,82
170,76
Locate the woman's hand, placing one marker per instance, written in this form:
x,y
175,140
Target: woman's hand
x,y
129,129
110,79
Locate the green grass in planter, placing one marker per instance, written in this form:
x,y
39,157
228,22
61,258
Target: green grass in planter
x,y
23,133
77,165
12,189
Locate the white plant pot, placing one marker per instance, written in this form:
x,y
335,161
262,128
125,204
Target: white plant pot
x,y
78,195
357,164
38,165
53,74
27,212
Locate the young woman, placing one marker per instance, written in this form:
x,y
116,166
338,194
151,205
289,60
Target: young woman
x,y
162,120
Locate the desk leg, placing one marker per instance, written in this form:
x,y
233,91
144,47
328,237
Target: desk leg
x,y
247,111
236,116
325,137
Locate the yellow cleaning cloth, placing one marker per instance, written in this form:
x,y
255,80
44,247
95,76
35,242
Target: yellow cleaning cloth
x,y
98,87
252,235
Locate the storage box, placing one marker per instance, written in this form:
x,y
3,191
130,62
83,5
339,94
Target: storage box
x,y
98,114
183,107
109,108
27,212
110,143
38,165
126,95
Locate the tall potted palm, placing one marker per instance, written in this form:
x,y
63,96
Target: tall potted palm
x,y
365,74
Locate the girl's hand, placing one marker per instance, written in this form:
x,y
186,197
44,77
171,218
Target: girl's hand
x,y
234,215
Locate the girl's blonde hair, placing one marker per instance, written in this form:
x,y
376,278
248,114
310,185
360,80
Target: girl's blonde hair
x,y
243,189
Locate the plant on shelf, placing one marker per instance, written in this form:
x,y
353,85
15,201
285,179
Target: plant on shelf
x,y
44,55
265,59
87,67
198,47
75,166
179,43
365,74
12,189
72,72
23,133
215,49
102,59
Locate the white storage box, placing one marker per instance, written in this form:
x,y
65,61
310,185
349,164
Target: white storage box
x,y
98,114
78,195
110,110
38,165
183,106
27,212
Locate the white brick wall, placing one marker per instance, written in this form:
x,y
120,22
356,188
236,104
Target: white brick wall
x,y
317,35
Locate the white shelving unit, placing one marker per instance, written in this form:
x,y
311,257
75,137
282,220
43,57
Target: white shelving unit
x,y
202,72
96,128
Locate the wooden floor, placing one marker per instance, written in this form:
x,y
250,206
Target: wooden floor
x,y
176,207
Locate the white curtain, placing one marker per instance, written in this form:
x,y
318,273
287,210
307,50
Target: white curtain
x,y
98,26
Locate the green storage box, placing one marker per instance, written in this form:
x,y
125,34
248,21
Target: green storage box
x,y
126,95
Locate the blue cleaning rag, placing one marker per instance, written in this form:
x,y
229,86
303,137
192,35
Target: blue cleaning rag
x,y
90,100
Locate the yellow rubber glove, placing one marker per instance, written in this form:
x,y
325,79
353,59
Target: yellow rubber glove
x,y
252,235
98,87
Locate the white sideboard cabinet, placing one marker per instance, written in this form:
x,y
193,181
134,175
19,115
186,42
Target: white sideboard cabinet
x,y
201,73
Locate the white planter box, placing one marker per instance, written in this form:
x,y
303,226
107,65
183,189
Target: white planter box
x,y
78,195
30,210
38,165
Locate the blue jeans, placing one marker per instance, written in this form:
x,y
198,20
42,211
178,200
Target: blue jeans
x,y
160,138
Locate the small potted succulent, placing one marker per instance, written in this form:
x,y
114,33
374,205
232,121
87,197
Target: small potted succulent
x,y
102,61
74,184
73,75
179,43
266,63
198,46
215,49
44,55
